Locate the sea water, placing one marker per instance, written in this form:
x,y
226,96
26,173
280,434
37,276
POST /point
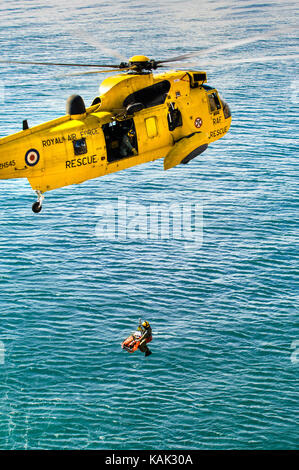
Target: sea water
x,y
221,298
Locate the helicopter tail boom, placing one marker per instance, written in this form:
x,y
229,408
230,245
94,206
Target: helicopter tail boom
x,y
14,162
20,153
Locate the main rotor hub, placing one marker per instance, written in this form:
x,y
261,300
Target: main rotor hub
x,y
138,59
141,63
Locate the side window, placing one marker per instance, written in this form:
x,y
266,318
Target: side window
x,y
80,146
214,102
151,127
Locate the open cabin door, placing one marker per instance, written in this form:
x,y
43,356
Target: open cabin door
x,y
121,139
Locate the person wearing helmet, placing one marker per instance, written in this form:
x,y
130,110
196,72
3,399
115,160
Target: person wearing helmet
x,y
127,147
145,338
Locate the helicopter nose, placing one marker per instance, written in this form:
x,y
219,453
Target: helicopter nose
x,y
226,109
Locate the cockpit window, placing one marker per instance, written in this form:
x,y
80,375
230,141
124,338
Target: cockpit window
x,y
214,102
226,110
150,96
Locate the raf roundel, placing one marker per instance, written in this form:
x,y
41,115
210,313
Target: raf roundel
x,y
198,122
32,157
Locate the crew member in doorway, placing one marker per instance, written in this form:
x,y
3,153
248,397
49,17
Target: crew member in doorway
x,y
126,147
145,338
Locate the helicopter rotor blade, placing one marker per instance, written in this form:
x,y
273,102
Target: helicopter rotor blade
x,y
123,69
26,62
240,42
220,47
189,55
178,58
241,60
255,59
88,38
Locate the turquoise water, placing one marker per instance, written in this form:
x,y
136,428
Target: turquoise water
x,y
224,368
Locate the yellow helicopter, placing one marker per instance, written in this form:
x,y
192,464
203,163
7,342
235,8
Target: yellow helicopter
x,y
138,117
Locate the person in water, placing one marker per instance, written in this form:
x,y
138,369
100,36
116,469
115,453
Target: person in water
x,y
146,337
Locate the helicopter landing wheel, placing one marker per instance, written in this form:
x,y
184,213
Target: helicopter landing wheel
x,y
37,206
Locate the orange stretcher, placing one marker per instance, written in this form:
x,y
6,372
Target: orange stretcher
x,y
132,342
